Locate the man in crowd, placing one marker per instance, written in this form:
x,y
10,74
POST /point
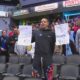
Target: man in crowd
x,y
13,37
77,40
4,45
44,47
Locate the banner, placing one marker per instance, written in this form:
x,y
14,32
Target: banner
x,y
31,52
25,35
62,35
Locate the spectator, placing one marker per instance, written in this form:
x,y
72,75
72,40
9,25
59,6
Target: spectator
x,y
13,37
44,47
33,26
4,45
76,27
58,48
77,39
70,48
72,42
52,27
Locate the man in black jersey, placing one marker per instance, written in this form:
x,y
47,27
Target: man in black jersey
x,y
44,47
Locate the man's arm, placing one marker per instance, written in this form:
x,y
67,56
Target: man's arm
x,y
54,41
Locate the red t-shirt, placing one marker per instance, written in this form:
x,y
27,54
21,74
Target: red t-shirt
x,y
11,34
75,28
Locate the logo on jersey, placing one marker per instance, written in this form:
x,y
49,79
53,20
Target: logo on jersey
x,y
40,34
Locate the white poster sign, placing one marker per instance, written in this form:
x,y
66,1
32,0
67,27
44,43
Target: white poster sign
x,y
62,35
31,52
25,35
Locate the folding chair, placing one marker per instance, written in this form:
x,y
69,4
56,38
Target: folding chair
x,y
25,60
11,78
13,59
2,68
69,72
12,70
27,71
73,59
58,59
2,59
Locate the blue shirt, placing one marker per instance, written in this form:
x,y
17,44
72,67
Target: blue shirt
x,y
3,42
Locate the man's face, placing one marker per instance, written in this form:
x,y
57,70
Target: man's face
x,y
15,30
4,33
44,23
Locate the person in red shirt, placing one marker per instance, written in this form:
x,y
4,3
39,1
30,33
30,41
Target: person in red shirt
x,y
76,27
13,37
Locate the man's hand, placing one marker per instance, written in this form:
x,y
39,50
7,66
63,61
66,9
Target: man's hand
x,y
2,49
12,42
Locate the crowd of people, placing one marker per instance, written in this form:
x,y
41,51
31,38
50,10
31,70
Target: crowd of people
x,y
74,27
43,34
7,42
